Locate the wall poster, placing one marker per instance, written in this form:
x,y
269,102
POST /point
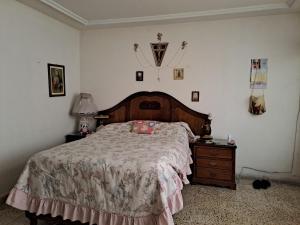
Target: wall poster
x,y
258,73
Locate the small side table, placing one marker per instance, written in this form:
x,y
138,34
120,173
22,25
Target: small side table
x,y
214,163
74,137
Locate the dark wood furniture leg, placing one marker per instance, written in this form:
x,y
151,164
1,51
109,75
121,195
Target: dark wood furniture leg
x,y
32,218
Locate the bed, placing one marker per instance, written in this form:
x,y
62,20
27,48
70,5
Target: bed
x,y
115,176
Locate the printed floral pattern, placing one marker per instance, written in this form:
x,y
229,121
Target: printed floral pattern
x,y
113,170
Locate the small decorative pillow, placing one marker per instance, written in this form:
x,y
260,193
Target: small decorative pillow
x,y
143,126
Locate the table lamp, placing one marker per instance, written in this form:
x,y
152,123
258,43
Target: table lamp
x,y
85,108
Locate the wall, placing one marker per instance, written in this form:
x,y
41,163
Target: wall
x,y
30,120
297,145
217,63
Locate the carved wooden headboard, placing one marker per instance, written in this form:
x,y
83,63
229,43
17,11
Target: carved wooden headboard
x,y
157,106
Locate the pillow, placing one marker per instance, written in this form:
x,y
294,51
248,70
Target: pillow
x,y
143,126
99,127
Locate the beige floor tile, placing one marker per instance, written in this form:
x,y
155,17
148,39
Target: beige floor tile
x,y
8,214
20,220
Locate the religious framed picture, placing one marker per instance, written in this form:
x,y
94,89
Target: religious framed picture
x,y
56,80
178,74
139,75
195,96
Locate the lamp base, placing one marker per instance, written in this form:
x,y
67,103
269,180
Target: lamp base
x,y
84,125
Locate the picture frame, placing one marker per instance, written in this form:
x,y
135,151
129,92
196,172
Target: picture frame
x,y
139,75
178,74
56,80
195,96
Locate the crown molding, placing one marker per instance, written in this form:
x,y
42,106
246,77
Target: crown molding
x,y
180,17
65,11
190,15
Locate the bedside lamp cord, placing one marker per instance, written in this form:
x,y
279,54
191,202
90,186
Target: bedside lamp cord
x,y
293,158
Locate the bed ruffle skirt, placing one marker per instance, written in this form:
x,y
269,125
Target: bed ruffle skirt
x,y
21,200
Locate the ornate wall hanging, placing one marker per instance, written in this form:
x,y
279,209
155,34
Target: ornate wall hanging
x,y
159,50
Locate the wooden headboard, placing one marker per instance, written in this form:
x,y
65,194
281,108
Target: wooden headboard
x,y
157,106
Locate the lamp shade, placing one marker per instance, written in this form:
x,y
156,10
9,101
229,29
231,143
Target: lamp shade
x,y
84,105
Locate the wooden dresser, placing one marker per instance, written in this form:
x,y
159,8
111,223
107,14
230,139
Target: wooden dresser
x,y
214,164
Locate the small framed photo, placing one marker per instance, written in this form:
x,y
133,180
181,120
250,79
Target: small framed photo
x,y
178,74
139,75
56,80
195,96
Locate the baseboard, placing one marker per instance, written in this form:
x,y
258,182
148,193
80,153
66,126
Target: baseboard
x,y
294,180
3,198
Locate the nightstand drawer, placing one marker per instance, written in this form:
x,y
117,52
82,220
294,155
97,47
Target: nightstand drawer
x,y
221,153
216,174
221,164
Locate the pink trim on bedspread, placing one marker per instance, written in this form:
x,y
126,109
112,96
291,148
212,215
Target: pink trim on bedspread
x,y
21,200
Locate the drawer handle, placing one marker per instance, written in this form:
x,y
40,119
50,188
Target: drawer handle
x,y
212,163
212,174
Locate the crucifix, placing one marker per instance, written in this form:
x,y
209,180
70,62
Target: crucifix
x,y
159,49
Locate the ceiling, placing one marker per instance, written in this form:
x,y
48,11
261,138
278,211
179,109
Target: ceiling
x,y
105,13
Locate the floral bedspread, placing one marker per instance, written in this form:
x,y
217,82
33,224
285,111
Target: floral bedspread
x,y
114,170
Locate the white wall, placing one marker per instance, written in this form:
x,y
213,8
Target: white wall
x,y
30,120
217,63
297,143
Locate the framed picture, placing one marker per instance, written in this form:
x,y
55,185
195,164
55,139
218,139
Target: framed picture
x,y
178,73
195,96
56,79
139,75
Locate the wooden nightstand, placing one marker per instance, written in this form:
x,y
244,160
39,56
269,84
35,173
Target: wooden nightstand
x,y
214,164
74,137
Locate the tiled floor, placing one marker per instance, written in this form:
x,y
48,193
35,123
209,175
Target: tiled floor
x,y
203,205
